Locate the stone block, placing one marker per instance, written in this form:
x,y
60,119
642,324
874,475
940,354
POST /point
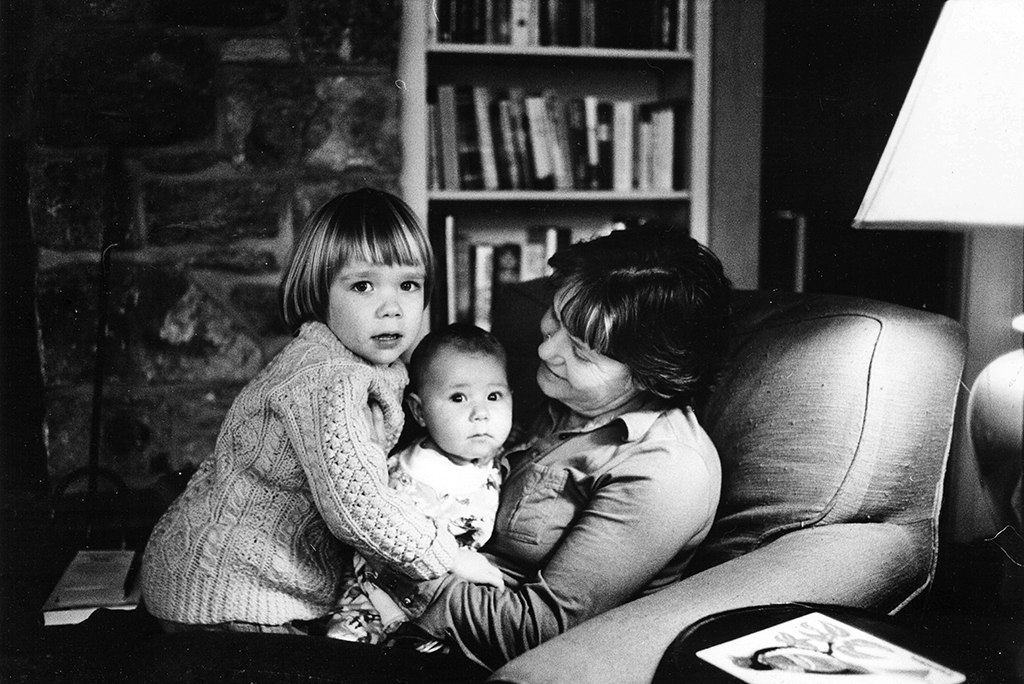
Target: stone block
x,y
220,13
260,305
145,431
66,300
162,328
266,112
230,259
214,211
123,87
333,32
356,124
73,196
86,10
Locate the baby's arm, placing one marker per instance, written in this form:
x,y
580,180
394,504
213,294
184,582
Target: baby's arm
x,y
347,473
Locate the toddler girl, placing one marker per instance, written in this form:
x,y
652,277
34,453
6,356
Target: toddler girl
x,y
298,478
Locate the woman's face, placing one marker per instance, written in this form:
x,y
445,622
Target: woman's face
x,y
586,381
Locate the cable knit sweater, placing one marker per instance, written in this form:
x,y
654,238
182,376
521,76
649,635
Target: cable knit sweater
x,y
257,535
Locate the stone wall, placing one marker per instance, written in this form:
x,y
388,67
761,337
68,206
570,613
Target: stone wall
x,y
192,137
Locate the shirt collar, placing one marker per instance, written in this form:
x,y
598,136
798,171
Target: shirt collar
x,y
637,418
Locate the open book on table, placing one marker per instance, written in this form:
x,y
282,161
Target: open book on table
x,y
94,579
805,650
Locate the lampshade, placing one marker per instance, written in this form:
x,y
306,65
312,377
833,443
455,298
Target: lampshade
x,y
955,159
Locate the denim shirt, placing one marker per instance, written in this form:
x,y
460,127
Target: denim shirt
x,y
589,519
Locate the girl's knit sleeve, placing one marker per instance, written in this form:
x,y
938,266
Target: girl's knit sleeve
x,y
347,473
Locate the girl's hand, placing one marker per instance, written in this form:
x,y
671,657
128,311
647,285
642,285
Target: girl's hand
x,y
375,419
474,567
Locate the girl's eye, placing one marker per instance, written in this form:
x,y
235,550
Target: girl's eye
x,y
362,286
579,354
457,398
412,286
495,396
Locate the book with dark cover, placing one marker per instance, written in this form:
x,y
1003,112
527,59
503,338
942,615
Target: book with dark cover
x,y
441,230
470,165
508,264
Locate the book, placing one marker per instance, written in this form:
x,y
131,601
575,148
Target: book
x,y
471,176
622,145
541,244
558,141
435,172
482,270
446,120
805,649
93,579
488,158
508,263
441,230
540,136
510,173
521,132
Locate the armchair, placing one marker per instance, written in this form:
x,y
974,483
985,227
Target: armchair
x,y
833,420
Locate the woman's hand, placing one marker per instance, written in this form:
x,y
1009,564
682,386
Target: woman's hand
x,y
474,567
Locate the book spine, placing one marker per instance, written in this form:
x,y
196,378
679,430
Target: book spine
x,y
578,144
470,171
643,151
447,120
441,307
508,264
683,137
622,150
485,139
435,173
509,145
537,119
663,152
605,143
463,280
520,22
482,267
524,150
558,142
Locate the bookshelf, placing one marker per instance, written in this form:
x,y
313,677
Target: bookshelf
x,y
681,75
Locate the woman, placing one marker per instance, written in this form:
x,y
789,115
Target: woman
x,y
610,498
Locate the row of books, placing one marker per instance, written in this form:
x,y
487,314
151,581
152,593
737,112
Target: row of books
x,y
482,138
637,24
474,270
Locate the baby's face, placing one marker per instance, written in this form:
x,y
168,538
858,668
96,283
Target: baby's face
x,y
466,405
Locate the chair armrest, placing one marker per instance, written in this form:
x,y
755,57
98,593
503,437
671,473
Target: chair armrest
x,y
836,564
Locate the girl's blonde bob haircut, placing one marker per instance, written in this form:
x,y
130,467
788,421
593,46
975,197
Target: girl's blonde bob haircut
x,y
365,225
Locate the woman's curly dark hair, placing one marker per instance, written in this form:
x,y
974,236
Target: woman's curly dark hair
x,y
653,299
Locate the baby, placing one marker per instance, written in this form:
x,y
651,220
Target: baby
x,y
459,392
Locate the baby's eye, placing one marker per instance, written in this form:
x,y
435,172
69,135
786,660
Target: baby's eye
x,y
412,286
457,398
362,286
495,396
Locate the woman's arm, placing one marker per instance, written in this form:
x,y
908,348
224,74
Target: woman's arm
x,y
347,472
655,504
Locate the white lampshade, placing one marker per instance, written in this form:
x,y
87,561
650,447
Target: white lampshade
x,y
955,159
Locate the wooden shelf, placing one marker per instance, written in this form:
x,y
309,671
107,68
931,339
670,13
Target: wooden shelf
x,y
556,196
559,51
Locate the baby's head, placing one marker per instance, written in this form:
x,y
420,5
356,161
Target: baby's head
x,y
459,392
